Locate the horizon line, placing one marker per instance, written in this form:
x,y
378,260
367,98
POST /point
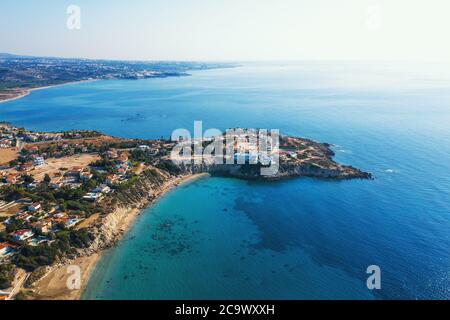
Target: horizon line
x,y
226,61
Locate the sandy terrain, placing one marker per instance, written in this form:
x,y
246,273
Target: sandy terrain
x,y
87,222
8,154
53,285
138,170
94,140
10,211
53,165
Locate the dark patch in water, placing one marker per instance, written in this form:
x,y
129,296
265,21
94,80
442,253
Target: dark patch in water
x,y
171,237
273,234
136,117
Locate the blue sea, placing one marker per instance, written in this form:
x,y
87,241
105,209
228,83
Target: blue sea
x,y
218,238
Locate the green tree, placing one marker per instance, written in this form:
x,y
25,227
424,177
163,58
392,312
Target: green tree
x,y
6,276
47,178
28,179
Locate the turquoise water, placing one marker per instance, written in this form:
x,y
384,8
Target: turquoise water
x,y
301,238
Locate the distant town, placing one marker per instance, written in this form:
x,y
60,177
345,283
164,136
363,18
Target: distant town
x,y
19,74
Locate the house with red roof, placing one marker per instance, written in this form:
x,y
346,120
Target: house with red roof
x,y
12,178
22,235
6,248
111,179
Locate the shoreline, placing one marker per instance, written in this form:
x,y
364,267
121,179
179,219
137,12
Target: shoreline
x,y
52,286
30,90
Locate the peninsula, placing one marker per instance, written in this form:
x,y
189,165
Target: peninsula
x,y
67,196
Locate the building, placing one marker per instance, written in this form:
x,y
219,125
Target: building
x,y
112,154
23,216
31,137
27,166
112,179
59,220
75,171
73,221
122,168
144,148
6,248
102,189
92,196
293,155
86,175
56,185
60,215
5,144
12,178
32,185
22,235
38,161
69,180
43,226
34,207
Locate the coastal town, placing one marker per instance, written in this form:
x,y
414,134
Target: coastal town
x,y
20,74
60,190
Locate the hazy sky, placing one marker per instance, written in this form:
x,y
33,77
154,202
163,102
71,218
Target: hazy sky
x,y
230,29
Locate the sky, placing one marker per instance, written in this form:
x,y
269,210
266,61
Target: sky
x,y
229,30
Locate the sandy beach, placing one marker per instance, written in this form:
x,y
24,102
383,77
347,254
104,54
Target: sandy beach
x,y
53,285
19,96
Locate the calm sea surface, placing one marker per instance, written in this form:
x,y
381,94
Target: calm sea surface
x,y
301,238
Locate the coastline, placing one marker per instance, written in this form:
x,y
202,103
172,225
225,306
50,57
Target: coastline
x,y
29,91
20,96
52,286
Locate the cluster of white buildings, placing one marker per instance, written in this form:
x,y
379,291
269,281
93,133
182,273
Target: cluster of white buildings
x,y
98,193
9,134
